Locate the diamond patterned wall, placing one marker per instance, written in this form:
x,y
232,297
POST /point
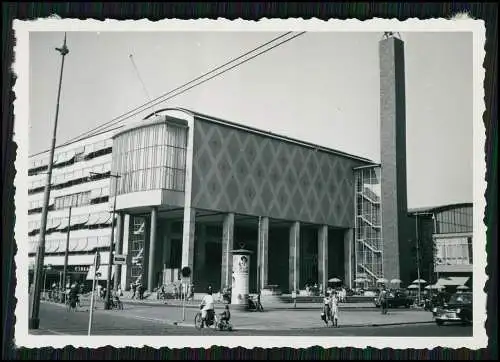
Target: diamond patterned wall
x,y
241,172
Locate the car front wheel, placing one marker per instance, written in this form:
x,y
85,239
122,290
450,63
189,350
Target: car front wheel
x,y
439,322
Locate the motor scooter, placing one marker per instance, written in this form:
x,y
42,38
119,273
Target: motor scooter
x,y
254,304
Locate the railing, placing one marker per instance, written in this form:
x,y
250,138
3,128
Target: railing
x,y
370,196
369,222
370,246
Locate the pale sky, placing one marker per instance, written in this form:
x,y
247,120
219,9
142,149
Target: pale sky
x,y
321,87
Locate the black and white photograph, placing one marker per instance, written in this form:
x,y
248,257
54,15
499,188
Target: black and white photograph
x,y
288,183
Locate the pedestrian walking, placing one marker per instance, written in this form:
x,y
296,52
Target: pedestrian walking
x,y
335,309
383,300
134,289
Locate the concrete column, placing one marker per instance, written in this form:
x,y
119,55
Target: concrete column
x,y
294,258
201,252
145,254
125,277
188,233
348,256
323,256
167,244
263,253
118,249
152,250
227,246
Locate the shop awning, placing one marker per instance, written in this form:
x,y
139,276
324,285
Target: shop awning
x,y
96,193
65,157
82,245
64,223
104,241
103,270
104,218
51,246
92,243
451,281
33,247
79,219
54,223
93,219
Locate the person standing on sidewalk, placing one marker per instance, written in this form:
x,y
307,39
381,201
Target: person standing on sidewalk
x,y
335,309
383,300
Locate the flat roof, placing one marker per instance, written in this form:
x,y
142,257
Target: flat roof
x,y
253,130
431,209
125,128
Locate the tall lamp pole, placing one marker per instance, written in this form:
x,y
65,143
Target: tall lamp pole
x,y
418,256
66,252
34,320
107,301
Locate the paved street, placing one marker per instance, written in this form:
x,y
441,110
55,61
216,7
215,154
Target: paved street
x,y
148,320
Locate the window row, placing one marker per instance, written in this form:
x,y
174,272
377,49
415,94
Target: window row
x,y
151,179
453,252
94,196
161,134
72,178
75,244
156,156
452,221
66,155
61,224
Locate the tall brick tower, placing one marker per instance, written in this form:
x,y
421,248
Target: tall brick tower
x,y
395,222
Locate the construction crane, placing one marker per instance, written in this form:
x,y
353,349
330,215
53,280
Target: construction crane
x,y
131,57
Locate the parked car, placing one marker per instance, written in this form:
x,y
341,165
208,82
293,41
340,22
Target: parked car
x,y
457,309
396,299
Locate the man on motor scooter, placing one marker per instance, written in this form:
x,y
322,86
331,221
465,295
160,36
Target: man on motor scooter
x,y
207,306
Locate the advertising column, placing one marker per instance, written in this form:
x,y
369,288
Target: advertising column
x,y
240,282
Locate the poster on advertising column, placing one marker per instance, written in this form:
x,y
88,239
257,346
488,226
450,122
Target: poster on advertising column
x,y
241,271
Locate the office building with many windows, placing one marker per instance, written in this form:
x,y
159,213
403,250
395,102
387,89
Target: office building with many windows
x,y
80,181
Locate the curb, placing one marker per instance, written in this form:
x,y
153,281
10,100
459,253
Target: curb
x,y
243,328
283,306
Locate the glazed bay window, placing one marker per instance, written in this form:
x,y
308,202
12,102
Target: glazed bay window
x,y
149,158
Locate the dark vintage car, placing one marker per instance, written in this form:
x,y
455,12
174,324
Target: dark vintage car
x,y
457,309
396,299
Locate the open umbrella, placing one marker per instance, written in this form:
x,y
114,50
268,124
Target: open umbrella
x,y
382,281
462,287
428,287
419,281
396,281
334,280
412,286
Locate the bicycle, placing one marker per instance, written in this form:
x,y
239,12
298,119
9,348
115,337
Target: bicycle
x,y
211,321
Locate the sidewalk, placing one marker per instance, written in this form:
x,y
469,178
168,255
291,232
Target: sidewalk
x,y
277,319
267,305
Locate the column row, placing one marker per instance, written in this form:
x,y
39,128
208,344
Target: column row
x,y
152,252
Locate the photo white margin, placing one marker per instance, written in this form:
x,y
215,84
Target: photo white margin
x,y
21,113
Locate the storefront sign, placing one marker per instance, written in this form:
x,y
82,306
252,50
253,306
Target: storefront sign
x,y
81,268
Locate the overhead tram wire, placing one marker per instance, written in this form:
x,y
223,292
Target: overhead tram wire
x,y
201,82
158,100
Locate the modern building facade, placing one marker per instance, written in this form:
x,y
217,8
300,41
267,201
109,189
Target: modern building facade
x,y
204,186
445,235
80,180
190,188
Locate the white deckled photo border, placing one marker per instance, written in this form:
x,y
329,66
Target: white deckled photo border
x,y
21,68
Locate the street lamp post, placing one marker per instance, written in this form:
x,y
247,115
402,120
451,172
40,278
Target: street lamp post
x,y
34,320
418,256
107,302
